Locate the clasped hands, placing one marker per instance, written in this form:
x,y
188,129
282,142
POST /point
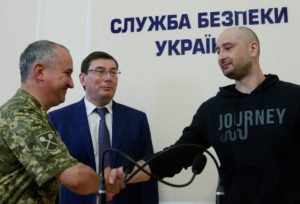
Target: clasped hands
x,y
115,179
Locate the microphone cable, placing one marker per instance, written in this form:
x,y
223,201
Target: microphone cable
x,y
219,192
170,149
141,168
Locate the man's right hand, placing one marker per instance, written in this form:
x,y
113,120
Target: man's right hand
x,y
113,182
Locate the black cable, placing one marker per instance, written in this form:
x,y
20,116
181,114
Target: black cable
x,y
141,168
169,149
219,192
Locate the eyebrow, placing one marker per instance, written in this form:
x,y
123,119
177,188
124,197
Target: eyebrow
x,y
227,43
99,67
223,45
69,70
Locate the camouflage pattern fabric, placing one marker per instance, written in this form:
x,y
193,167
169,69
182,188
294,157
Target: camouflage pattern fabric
x,y
31,153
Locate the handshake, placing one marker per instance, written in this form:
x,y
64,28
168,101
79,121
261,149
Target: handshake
x,y
114,180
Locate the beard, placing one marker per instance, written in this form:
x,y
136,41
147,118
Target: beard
x,y
238,71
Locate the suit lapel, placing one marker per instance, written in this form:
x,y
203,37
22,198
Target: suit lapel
x,y
118,126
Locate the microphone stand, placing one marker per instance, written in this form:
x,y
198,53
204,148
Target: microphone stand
x,y
219,191
102,191
102,188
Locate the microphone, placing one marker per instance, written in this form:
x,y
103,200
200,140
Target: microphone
x,y
199,163
129,164
197,167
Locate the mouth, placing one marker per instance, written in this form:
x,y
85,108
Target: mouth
x,y
106,87
225,66
65,90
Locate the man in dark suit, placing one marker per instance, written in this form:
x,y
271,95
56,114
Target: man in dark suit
x,y
128,129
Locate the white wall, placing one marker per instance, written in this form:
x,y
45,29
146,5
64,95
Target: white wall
x,y
168,88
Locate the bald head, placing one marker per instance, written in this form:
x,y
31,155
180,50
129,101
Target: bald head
x,y
245,34
238,52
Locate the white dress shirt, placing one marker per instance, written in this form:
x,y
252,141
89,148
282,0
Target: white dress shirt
x,y
94,121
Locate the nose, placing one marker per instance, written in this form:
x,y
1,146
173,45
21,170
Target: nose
x,y
221,55
107,76
71,83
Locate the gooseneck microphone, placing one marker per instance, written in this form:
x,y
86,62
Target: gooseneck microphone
x,y
199,162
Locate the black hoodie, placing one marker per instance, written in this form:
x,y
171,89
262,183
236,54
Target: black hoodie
x,y
256,137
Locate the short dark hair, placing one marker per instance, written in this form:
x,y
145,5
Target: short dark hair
x,y
95,55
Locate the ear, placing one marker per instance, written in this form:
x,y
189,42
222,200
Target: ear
x,y
253,48
82,79
38,72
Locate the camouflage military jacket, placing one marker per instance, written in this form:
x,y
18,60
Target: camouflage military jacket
x,y
31,153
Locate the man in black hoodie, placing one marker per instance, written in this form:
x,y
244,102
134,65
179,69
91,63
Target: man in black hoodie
x,y
253,125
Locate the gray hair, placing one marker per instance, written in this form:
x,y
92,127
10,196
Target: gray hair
x,y
42,51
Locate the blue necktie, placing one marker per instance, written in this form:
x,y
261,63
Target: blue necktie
x,y
103,139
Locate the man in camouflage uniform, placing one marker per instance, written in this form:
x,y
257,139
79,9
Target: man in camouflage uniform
x,y
33,159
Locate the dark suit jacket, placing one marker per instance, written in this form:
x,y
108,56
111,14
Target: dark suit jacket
x,y
130,134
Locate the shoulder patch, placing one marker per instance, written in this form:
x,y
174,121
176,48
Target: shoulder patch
x,y
47,140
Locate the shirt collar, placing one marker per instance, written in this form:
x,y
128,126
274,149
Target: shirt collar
x,y
90,107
